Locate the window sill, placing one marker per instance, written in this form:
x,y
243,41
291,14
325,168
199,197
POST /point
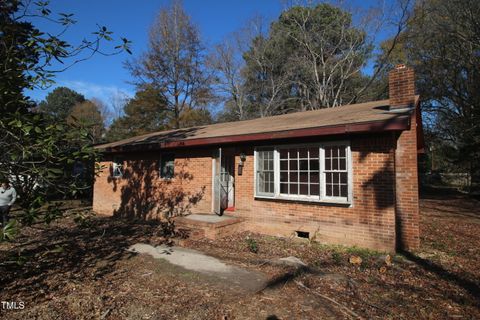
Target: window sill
x,y
335,202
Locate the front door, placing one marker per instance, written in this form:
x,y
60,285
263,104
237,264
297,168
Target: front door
x,y
227,181
224,184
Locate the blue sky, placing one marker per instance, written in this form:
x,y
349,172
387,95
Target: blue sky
x,y
101,77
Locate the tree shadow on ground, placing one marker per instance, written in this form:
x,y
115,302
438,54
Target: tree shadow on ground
x,y
459,205
64,253
472,287
439,193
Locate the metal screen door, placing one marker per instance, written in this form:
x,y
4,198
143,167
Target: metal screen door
x,y
227,181
223,182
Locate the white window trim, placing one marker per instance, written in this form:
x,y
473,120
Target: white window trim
x,y
319,199
275,173
322,174
115,164
160,167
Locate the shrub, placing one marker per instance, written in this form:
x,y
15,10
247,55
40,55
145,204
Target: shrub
x,y
252,245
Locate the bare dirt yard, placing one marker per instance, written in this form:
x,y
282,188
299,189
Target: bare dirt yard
x,y
69,272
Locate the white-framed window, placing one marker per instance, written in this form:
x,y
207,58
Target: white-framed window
x,y
299,171
313,172
117,167
335,172
265,174
167,166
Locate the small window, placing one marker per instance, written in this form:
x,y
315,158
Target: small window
x,y
265,173
117,167
167,166
336,172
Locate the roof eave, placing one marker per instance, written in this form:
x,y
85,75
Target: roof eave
x,y
396,124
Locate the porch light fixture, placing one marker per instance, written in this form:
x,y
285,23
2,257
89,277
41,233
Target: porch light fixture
x,y
243,157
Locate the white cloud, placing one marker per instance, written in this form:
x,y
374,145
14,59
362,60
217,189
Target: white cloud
x,y
92,90
88,89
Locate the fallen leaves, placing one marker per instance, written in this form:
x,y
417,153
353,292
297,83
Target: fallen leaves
x,y
356,260
87,274
388,260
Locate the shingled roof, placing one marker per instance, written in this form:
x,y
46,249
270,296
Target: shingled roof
x,y
372,116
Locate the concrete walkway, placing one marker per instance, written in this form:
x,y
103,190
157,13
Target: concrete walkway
x,y
197,261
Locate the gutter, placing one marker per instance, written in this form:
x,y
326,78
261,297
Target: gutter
x,y
396,124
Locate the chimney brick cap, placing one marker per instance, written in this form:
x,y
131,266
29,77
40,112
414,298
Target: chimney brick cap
x,y
400,66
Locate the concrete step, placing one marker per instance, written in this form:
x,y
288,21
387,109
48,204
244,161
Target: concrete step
x,y
208,226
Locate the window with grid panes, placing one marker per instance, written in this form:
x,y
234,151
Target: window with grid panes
x,y
312,173
167,166
299,171
335,171
117,167
265,172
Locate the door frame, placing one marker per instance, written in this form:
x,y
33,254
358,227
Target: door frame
x,y
222,154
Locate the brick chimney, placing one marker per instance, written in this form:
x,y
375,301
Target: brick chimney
x,y
401,87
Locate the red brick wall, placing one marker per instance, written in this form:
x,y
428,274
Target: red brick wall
x,y
368,222
142,193
402,94
407,208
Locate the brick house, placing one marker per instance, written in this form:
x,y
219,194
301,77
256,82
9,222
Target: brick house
x,y
345,175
